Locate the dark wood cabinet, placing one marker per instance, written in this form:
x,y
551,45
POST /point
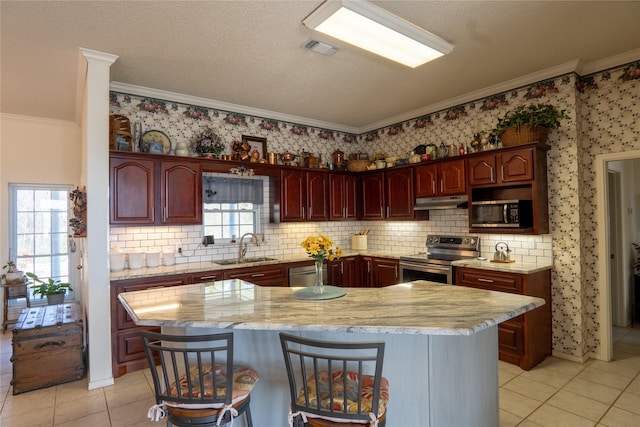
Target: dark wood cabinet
x,y
342,196
515,173
152,191
304,195
446,178
181,194
132,184
127,352
266,275
503,167
345,272
399,193
372,192
385,272
524,340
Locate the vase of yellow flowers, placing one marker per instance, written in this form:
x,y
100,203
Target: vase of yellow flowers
x,y
319,248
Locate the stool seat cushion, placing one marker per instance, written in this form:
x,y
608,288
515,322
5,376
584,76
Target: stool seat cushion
x,y
339,392
244,379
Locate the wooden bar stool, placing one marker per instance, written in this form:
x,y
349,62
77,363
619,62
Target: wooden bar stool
x,y
205,388
335,384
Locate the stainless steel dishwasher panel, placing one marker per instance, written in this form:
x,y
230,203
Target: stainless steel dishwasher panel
x,y
305,276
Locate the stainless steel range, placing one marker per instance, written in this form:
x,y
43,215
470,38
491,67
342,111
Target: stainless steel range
x,y
435,264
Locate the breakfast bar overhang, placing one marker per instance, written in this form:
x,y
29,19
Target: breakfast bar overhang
x,y
441,356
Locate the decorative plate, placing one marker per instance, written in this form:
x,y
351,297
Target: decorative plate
x,y
156,142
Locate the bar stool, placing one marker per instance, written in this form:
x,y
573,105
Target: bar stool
x,y
204,387
335,384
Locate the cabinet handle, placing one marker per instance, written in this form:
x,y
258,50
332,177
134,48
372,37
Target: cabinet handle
x,y
310,212
480,279
433,186
346,212
492,175
368,267
153,213
442,185
341,267
396,271
166,212
381,211
257,275
502,172
207,277
303,213
387,211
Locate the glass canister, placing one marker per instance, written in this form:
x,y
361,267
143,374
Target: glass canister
x,y
338,158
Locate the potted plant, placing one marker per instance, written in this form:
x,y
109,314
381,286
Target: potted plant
x,y
54,290
11,274
528,123
208,143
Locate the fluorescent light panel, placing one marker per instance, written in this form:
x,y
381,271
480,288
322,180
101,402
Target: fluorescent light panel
x,y
372,28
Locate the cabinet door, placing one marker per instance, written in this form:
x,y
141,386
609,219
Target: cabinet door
x,y
452,178
317,196
336,196
373,202
350,196
181,193
351,272
292,195
385,272
425,181
517,166
366,272
131,185
482,170
334,273
399,194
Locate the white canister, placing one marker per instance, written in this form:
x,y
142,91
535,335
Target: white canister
x,y
168,258
153,259
116,261
136,260
359,242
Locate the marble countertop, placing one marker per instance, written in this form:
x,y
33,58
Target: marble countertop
x,y
196,267
421,308
513,267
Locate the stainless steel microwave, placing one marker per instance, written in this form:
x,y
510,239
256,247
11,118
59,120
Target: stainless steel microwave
x,y
502,213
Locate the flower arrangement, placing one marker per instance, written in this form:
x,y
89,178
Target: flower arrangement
x,y
320,248
208,142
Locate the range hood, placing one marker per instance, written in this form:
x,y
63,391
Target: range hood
x,y
448,202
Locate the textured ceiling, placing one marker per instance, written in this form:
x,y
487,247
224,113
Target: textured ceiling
x,y
249,53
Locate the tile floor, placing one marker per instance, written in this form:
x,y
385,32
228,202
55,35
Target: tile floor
x,y
555,393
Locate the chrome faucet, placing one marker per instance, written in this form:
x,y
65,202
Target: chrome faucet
x,y
242,250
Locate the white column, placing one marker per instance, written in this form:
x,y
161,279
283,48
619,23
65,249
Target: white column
x,y
96,172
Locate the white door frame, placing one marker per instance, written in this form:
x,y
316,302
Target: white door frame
x,y
603,249
615,235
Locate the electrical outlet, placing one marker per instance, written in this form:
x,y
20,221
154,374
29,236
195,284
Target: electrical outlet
x,y
180,251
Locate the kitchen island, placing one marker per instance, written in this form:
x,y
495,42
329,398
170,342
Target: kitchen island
x,y
441,357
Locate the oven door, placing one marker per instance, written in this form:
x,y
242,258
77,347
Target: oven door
x,y
410,271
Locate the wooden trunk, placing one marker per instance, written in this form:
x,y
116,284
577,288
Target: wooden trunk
x,y
48,347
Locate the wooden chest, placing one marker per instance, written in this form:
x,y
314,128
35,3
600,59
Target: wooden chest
x,y
48,347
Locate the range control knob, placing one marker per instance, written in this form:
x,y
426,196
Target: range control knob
x,y
465,241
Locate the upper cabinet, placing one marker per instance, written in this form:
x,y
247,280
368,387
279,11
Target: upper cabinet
x,y
304,195
372,190
135,199
445,178
131,184
387,195
515,173
342,196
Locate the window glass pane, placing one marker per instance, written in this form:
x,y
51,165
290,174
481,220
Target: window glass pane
x,y
24,200
25,244
60,267
59,243
43,222
42,198
246,217
25,222
43,244
42,267
59,222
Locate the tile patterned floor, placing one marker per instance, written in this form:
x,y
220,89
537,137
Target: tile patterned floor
x,y
555,393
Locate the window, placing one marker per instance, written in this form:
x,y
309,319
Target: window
x,y
38,224
231,206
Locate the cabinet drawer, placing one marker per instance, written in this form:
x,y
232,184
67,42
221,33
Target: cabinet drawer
x,y
263,276
490,280
207,276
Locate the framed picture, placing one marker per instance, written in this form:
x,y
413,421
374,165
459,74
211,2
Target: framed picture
x,y
256,143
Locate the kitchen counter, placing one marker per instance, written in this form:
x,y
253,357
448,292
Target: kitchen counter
x,y
441,341
196,267
513,267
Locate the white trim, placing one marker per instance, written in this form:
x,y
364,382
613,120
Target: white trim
x,y
31,119
226,106
99,384
610,62
602,266
577,359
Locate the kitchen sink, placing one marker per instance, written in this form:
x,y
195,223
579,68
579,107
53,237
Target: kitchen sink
x,y
244,260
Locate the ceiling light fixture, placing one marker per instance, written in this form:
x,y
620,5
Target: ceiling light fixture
x,y
372,28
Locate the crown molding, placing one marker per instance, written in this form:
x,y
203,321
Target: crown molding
x,y
37,119
518,82
225,106
95,56
610,62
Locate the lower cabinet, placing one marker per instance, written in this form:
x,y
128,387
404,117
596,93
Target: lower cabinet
x,y
363,272
127,350
386,272
268,275
524,340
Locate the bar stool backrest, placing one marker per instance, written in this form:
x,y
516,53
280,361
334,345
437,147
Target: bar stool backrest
x,y
319,385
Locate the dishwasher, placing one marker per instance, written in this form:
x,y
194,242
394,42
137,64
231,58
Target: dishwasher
x,y
305,276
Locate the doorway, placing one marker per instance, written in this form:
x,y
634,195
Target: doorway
x,y
613,234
